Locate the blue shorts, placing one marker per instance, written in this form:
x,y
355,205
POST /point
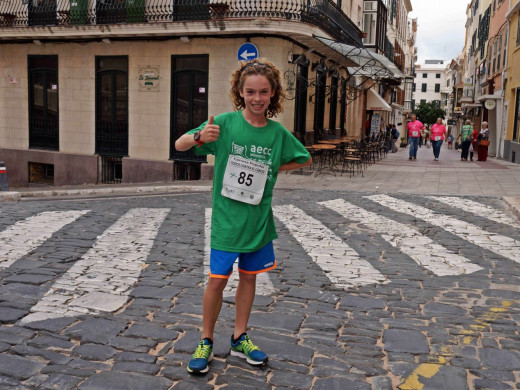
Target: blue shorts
x,y
221,262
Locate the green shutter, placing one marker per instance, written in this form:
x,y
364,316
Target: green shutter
x,y
135,11
78,11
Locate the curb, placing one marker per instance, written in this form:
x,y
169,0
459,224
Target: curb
x,y
513,202
10,196
16,196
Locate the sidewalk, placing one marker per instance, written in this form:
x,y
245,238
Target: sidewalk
x,y
393,174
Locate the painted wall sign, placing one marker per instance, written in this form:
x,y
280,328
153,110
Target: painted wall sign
x,y
149,78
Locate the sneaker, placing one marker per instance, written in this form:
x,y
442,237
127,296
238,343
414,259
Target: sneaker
x,y
415,157
201,357
409,158
436,159
245,349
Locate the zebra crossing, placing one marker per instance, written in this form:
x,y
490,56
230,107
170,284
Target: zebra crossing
x,y
103,278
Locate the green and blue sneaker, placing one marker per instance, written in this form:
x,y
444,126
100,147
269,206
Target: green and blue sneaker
x,y
243,347
201,357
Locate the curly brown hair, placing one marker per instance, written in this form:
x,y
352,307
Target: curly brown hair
x,y
266,69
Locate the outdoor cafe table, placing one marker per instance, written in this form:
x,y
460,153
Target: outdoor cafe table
x,y
326,160
335,141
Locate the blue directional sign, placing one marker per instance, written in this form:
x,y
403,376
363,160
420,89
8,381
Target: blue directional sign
x,y
247,51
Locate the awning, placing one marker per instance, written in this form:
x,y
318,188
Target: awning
x,y
368,65
389,65
466,99
487,97
376,103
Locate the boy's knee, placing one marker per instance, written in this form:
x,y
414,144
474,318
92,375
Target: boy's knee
x,y
217,284
251,278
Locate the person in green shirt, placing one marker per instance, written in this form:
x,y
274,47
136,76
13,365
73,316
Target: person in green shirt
x,y
466,136
250,149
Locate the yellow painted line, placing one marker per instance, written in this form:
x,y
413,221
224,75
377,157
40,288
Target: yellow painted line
x,y
425,370
428,370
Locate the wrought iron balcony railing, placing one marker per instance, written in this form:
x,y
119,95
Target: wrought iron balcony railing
x,y
324,14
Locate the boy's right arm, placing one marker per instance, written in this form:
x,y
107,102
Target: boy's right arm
x,y
209,133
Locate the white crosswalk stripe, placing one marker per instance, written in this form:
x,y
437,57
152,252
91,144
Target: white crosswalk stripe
x,y
26,235
103,278
264,285
420,248
499,244
342,264
478,208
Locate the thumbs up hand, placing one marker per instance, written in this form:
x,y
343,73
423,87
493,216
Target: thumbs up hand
x,y
211,131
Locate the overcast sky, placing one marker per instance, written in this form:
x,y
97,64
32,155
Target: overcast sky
x,y
441,28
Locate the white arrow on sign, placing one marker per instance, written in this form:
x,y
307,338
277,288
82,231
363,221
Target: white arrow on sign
x,y
245,55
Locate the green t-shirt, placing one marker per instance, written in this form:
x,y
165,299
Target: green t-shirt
x,y
237,226
467,133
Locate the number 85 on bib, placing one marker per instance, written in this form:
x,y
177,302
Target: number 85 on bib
x,y
244,180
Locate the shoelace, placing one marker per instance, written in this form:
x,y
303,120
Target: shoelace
x,y
202,351
248,345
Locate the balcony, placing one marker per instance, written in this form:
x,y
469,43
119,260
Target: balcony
x,y
324,14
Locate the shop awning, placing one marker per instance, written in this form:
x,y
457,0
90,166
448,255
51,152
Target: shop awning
x,y
376,103
487,97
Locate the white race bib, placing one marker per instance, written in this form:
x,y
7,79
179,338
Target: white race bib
x,y
415,133
244,180
437,138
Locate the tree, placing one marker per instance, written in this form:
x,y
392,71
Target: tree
x,y
428,112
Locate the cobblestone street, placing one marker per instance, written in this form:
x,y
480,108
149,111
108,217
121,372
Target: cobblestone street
x,y
371,291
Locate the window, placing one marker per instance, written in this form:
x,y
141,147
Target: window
x,y
516,129
413,87
333,101
518,30
505,49
448,82
437,75
413,104
425,75
423,87
499,53
495,50
301,97
319,99
112,106
189,107
423,101
437,87
43,102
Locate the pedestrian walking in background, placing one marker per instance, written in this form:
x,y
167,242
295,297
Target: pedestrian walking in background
x,y
483,142
394,135
450,141
427,137
250,149
438,135
466,137
414,128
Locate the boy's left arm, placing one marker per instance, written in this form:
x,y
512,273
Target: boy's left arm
x,y
294,165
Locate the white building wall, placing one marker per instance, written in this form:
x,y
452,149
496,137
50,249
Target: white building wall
x,y
430,81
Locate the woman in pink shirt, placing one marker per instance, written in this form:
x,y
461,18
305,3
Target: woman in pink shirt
x,y
438,135
414,128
